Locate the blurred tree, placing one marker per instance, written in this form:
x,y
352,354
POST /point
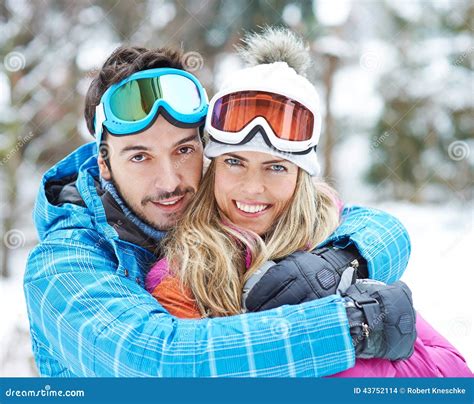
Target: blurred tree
x,y
421,144
51,50
38,62
43,48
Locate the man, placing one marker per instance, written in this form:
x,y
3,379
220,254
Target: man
x,y
101,216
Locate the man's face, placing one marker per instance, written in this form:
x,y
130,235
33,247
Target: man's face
x,y
156,172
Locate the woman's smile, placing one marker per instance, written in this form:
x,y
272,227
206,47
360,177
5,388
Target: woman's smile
x,y
252,209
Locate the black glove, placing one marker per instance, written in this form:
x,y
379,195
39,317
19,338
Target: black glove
x,y
381,319
301,277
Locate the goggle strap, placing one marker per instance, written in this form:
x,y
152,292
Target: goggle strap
x,y
99,121
262,131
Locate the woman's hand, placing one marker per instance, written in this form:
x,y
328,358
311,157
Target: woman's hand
x,y
302,277
381,317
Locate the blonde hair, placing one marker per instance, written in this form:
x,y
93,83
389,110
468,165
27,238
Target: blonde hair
x,y
207,252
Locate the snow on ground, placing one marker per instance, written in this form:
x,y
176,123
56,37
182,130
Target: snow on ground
x,y
16,359
439,274
440,268
440,271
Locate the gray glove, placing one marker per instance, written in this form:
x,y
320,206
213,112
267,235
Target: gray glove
x,y
302,277
381,319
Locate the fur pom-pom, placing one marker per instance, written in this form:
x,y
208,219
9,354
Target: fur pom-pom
x,y
275,44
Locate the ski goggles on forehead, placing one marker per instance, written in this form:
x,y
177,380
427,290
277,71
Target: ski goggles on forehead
x,y
133,105
288,125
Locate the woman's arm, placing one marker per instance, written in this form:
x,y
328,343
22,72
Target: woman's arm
x,y
433,356
170,293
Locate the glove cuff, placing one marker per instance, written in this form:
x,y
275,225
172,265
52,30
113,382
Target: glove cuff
x,y
343,257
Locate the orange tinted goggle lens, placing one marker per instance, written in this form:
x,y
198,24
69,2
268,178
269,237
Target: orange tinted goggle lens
x,y
289,119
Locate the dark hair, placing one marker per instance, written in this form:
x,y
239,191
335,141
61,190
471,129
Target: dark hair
x,y
123,62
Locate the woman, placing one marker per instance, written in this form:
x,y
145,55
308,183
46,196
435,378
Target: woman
x,y
258,201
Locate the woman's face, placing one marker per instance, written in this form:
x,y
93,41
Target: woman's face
x,y
253,188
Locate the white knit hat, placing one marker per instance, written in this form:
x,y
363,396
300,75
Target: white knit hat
x,y
307,162
276,77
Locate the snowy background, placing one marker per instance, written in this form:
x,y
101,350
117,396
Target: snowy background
x,y
397,92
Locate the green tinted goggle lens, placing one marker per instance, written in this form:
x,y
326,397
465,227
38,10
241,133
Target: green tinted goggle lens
x,y
134,100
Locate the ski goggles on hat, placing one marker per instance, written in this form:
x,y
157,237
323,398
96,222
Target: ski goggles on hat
x,y
132,105
287,124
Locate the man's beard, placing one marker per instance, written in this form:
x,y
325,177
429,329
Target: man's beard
x,y
148,199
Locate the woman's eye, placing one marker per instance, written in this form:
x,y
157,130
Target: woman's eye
x,y
278,168
138,158
185,150
233,162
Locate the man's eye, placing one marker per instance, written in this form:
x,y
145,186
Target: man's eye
x,y
185,150
138,158
278,168
233,162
